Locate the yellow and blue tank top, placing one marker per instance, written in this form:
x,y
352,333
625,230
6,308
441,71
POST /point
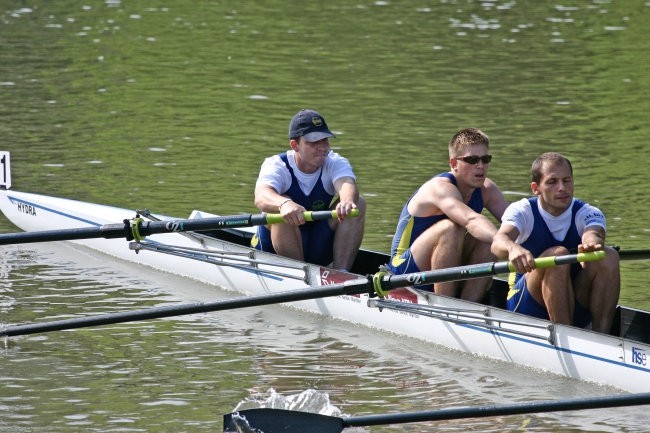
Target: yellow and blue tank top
x,y
409,227
541,238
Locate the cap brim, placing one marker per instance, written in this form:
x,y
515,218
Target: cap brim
x,y
318,135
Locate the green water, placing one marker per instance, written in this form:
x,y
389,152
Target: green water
x,y
173,106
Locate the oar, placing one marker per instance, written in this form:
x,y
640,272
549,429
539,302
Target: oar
x,y
634,254
380,283
138,228
288,421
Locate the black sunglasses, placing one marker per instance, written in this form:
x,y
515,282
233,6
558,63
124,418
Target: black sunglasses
x,y
474,159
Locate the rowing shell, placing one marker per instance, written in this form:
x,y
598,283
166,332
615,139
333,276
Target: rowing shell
x,y
223,258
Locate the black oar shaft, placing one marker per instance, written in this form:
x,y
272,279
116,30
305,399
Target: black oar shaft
x,y
348,288
129,231
441,275
138,228
501,410
634,254
109,231
480,270
352,287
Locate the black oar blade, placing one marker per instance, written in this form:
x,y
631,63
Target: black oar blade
x,y
287,421
280,421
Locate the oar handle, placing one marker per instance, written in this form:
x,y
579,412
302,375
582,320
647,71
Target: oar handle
x,y
275,218
549,262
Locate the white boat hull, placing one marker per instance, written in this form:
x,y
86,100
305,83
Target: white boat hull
x,y
473,328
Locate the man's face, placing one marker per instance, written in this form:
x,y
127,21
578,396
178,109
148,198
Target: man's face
x,y
470,171
311,154
555,189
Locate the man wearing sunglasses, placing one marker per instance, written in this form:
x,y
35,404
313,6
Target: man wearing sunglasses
x,y
552,223
442,224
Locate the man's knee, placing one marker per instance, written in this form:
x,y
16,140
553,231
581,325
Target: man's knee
x,y
612,257
610,264
284,233
449,231
361,205
555,251
477,251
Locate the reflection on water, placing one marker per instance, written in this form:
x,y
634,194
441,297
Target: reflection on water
x,y
173,107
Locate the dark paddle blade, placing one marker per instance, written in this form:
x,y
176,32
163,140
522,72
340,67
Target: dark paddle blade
x,y
280,421
287,421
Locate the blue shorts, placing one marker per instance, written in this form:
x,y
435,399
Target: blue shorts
x,y
521,301
317,241
405,264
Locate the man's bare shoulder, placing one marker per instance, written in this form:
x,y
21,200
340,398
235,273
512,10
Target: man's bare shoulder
x,y
431,195
438,180
436,186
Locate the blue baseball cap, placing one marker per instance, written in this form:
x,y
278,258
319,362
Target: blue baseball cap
x,y
309,124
